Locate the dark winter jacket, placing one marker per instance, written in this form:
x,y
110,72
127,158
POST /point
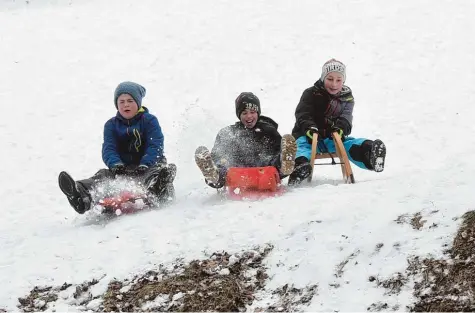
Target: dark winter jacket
x,y
318,108
238,146
136,141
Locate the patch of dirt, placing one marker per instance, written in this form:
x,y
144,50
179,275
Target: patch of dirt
x,y
39,298
222,283
441,285
448,284
381,306
82,293
340,268
290,298
415,220
393,285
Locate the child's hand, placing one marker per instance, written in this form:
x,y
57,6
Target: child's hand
x,y
311,130
118,169
141,169
338,130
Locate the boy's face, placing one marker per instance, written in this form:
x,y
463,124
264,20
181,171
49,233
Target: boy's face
x,y
249,118
127,106
333,83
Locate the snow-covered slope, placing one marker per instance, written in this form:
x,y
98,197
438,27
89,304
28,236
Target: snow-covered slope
x,y
408,64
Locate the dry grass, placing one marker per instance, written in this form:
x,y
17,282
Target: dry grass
x,y
223,283
415,220
442,285
215,284
448,285
290,298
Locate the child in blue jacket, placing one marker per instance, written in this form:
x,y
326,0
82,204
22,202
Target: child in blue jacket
x,y
133,145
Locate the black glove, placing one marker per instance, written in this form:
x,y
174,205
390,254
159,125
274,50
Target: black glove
x,y
118,169
141,169
339,131
312,130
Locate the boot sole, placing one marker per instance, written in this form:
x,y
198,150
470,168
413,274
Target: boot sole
x,y
287,155
378,155
68,187
205,164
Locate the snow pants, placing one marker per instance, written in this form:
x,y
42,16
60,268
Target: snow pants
x,y
163,174
355,148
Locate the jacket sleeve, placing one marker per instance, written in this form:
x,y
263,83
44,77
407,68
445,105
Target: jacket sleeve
x,y
305,112
110,155
154,142
345,120
276,139
220,152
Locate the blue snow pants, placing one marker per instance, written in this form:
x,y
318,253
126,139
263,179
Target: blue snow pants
x,y
304,148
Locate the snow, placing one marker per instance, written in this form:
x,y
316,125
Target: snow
x,y
408,64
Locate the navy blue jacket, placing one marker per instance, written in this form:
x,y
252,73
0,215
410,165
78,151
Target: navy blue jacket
x,y
138,141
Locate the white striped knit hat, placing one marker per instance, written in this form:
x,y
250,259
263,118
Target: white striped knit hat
x,y
333,66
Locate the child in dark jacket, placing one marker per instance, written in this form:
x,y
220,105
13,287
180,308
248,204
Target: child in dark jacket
x,y
324,108
253,141
133,146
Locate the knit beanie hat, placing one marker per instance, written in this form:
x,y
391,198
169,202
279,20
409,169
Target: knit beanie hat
x,y
135,90
247,100
333,66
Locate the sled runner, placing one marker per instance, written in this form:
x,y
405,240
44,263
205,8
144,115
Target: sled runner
x,y
348,176
253,183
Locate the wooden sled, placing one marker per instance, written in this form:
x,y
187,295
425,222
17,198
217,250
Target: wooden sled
x,y
348,176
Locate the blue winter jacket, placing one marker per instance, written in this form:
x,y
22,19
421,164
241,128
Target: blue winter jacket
x,y
137,141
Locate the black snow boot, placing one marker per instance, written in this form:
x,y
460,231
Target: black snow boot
x,y
302,171
161,183
77,195
377,155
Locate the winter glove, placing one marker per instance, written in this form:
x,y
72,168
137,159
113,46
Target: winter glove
x,y
338,130
311,130
344,125
118,169
140,170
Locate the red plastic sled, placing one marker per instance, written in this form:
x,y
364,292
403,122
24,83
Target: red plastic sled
x,y
253,183
124,203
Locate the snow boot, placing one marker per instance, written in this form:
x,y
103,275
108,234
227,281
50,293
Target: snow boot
x,y
160,175
166,193
77,196
377,155
206,165
288,149
160,182
302,171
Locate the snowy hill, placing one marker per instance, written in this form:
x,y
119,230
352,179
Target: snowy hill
x,y
408,64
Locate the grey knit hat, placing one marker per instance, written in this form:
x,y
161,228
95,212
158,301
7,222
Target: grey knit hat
x,y
333,66
135,90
